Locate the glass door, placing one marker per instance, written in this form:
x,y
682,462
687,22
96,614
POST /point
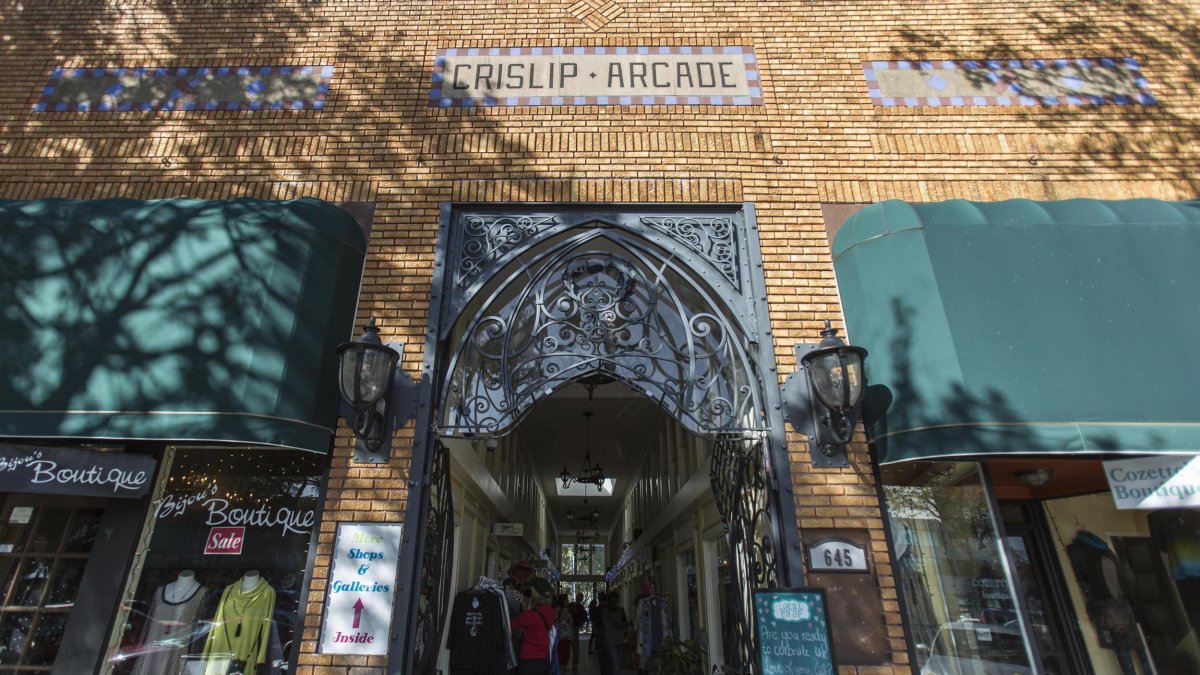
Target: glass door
x,y
43,552
1043,591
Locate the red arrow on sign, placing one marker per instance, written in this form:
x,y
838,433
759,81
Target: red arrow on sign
x,y
358,607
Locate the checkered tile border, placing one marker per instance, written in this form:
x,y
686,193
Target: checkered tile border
x,y
995,70
747,53
182,96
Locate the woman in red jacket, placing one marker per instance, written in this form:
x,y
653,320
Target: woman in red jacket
x,y
532,630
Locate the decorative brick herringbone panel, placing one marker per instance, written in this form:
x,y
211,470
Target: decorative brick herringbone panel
x,y
596,14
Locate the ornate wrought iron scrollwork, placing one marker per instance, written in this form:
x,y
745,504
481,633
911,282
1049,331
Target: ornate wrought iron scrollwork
x,y
485,239
434,584
713,238
603,305
740,487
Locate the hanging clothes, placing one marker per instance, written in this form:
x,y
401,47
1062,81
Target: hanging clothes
x,y
653,627
169,632
241,628
480,641
1099,576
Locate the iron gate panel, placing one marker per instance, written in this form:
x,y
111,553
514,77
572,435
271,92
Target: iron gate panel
x,y
433,585
740,485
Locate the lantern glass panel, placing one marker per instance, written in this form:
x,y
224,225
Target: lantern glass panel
x,y
347,374
837,378
377,368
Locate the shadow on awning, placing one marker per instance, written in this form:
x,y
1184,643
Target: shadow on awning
x,y
1026,327
175,319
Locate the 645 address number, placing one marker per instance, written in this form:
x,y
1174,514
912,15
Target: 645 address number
x,y
836,555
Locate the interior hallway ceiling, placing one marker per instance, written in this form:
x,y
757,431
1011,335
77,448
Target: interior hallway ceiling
x,y
624,426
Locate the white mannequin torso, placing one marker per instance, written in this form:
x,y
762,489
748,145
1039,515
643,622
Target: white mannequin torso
x,y
250,581
182,588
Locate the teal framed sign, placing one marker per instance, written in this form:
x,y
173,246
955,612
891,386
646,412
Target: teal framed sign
x,y
793,632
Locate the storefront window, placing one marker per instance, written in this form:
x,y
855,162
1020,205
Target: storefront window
x,y
957,596
220,585
43,551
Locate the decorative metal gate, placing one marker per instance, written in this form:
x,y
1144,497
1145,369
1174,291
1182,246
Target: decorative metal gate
x,y
433,586
740,487
604,300
671,304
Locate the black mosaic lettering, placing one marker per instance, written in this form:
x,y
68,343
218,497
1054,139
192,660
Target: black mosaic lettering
x,y
654,73
484,74
516,79
457,83
683,72
616,74
568,69
637,71
726,76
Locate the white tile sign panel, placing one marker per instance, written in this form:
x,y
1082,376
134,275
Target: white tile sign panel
x,y
554,76
1162,482
361,589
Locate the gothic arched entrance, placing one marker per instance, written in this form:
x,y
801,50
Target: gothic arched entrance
x,y
671,303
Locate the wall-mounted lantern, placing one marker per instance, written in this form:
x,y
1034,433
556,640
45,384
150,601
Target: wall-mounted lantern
x,y
823,399
377,397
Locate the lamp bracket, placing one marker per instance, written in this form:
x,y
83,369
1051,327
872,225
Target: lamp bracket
x,y
808,416
396,409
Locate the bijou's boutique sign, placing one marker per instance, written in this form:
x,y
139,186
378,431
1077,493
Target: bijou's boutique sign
x,y
71,471
538,76
1162,482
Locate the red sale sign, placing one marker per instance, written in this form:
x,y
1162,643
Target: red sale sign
x,y
225,541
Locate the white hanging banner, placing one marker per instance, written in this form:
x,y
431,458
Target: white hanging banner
x,y
361,589
1162,482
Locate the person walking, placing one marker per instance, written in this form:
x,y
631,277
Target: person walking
x,y
531,629
579,618
565,623
613,616
597,626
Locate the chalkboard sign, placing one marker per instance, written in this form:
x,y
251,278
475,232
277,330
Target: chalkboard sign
x,y
793,632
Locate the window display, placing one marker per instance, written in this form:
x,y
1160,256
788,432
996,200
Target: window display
x,y
44,549
958,598
220,589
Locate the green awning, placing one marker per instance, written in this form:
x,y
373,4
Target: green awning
x,y
1026,327
175,320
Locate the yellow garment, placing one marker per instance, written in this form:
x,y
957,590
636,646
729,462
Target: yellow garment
x,y
241,627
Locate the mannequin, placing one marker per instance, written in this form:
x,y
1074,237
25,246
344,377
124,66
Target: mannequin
x,y
242,626
250,580
175,609
182,588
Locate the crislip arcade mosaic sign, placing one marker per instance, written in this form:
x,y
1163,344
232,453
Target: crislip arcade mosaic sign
x,y
555,76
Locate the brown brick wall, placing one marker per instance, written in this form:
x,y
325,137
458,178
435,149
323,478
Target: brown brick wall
x,y
816,140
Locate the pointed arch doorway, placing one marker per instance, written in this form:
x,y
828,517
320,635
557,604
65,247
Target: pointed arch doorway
x,y
669,302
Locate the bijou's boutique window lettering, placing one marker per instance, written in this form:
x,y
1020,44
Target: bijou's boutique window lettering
x,y
220,587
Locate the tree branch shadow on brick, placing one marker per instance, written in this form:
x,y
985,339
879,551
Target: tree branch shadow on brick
x,y
1159,142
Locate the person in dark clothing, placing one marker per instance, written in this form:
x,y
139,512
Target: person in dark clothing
x,y
613,618
597,638
516,599
579,616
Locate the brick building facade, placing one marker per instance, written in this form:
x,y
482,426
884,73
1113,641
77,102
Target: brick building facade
x,y
333,101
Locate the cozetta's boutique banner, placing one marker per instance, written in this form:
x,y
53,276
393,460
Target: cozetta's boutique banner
x,y
1162,482
70,471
